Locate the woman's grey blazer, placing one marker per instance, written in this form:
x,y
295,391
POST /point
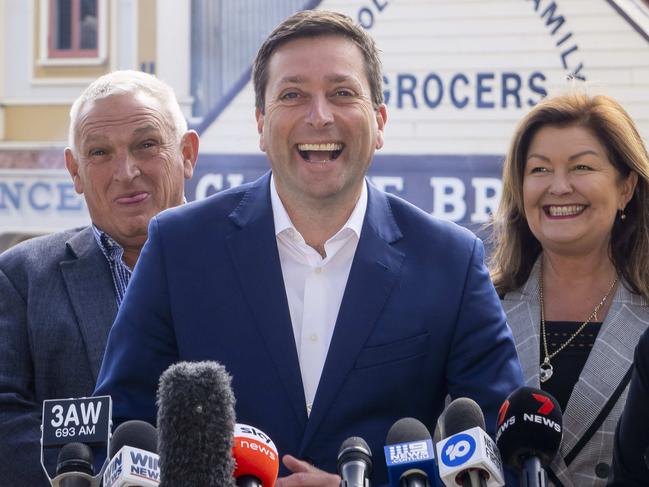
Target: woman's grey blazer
x,y
608,362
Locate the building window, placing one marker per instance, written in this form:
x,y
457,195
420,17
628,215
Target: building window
x,y
73,29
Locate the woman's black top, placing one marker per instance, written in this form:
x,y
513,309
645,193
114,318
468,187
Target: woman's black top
x,y
569,362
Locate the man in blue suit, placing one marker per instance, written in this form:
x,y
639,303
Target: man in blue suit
x,y
337,308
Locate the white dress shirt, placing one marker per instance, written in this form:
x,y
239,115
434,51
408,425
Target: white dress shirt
x,y
315,285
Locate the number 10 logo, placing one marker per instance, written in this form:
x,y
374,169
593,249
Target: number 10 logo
x,y
458,450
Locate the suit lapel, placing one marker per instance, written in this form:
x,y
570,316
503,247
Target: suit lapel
x,y
522,308
253,250
608,362
91,293
375,269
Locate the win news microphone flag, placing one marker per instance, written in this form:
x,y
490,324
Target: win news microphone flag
x,y
133,456
196,425
467,456
529,431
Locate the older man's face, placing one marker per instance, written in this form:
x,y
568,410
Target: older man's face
x,y
129,163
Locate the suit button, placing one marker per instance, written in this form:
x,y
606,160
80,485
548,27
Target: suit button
x,y
602,469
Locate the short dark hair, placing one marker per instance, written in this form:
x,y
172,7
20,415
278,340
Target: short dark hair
x,y
315,23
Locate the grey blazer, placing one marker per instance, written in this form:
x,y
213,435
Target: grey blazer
x,y
57,304
608,362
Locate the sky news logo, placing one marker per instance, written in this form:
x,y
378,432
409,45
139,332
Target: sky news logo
x,y
414,451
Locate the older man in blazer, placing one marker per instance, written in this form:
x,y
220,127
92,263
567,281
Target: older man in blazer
x,y
129,154
337,308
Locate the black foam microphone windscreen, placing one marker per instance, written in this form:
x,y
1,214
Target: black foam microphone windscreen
x,y
75,457
462,414
530,424
196,425
136,434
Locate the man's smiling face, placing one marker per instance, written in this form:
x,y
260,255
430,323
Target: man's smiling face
x,y
319,128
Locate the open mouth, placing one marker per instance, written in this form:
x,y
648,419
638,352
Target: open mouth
x,y
320,152
563,210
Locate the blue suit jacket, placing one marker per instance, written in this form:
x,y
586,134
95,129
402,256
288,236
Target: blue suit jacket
x,y
419,319
57,303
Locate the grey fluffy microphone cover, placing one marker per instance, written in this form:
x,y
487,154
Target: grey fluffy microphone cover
x,y
195,425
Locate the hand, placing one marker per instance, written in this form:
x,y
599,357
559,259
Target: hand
x,y
305,475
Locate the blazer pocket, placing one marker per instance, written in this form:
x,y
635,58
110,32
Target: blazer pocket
x,y
392,352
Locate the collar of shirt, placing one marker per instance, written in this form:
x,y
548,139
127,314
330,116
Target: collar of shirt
x,y
113,252
286,231
109,247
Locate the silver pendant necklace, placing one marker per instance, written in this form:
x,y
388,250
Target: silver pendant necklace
x,y
545,369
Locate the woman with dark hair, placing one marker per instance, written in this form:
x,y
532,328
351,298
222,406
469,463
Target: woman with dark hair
x,y
571,262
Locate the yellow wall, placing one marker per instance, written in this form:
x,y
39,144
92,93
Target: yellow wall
x,y
146,28
42,123
2,68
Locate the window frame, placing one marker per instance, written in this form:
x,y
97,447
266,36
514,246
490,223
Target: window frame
x,y
50,56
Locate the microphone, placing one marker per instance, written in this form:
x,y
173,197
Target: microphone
x,y
133,456
529,430
409,454
255,456
467,456
74,465
354,462
195,425
73,426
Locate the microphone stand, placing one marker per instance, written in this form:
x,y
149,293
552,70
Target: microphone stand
x,y
248,481
533,474
473,479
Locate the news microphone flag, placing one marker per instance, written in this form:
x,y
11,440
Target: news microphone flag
x,y
470,449
467,455
530,424
409,454
77,423
255,456
133,466
529,431
133,456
